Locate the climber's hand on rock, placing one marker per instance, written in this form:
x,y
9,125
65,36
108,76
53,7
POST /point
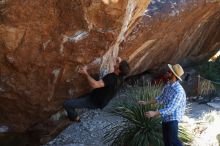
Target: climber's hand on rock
x,y
118,59
83,70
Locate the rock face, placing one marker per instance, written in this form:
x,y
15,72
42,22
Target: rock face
x,y
43,43
173,31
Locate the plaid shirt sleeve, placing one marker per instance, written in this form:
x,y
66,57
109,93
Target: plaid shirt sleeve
x,y
172,105
159,99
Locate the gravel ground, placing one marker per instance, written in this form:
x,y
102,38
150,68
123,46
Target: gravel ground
x,y
90,130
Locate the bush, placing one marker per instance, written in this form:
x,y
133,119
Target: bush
x,y
211,70
136,129
185,136
206,88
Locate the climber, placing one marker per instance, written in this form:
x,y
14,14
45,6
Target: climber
x,y
103,90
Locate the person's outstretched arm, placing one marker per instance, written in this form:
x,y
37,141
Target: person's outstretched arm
x,y
143,102
92,82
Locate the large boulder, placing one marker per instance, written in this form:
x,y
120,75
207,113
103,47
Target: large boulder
x,y
43,43
173,31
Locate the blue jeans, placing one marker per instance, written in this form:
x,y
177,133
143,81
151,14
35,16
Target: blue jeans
x,y
80,102
170,134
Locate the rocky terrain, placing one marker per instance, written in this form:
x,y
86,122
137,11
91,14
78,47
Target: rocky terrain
x,y
201,120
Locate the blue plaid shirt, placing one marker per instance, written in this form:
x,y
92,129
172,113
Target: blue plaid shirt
x,y
173,98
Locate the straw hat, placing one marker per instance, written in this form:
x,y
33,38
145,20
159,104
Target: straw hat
x,y
177,70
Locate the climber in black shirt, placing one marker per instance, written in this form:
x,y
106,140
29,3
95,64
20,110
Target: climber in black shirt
x,y
103,90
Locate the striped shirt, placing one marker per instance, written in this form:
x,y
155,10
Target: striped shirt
x,y
173,98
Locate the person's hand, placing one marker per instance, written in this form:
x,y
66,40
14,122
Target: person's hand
x,y
118,59
142,102
83,70
151,114
65,39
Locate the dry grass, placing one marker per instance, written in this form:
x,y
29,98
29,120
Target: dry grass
x,y
206,88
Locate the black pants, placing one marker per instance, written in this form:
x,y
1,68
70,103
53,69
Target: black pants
x,y
81,102
170,134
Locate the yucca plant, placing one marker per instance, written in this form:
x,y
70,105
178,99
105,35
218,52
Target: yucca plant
x,y
185,136
135,129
